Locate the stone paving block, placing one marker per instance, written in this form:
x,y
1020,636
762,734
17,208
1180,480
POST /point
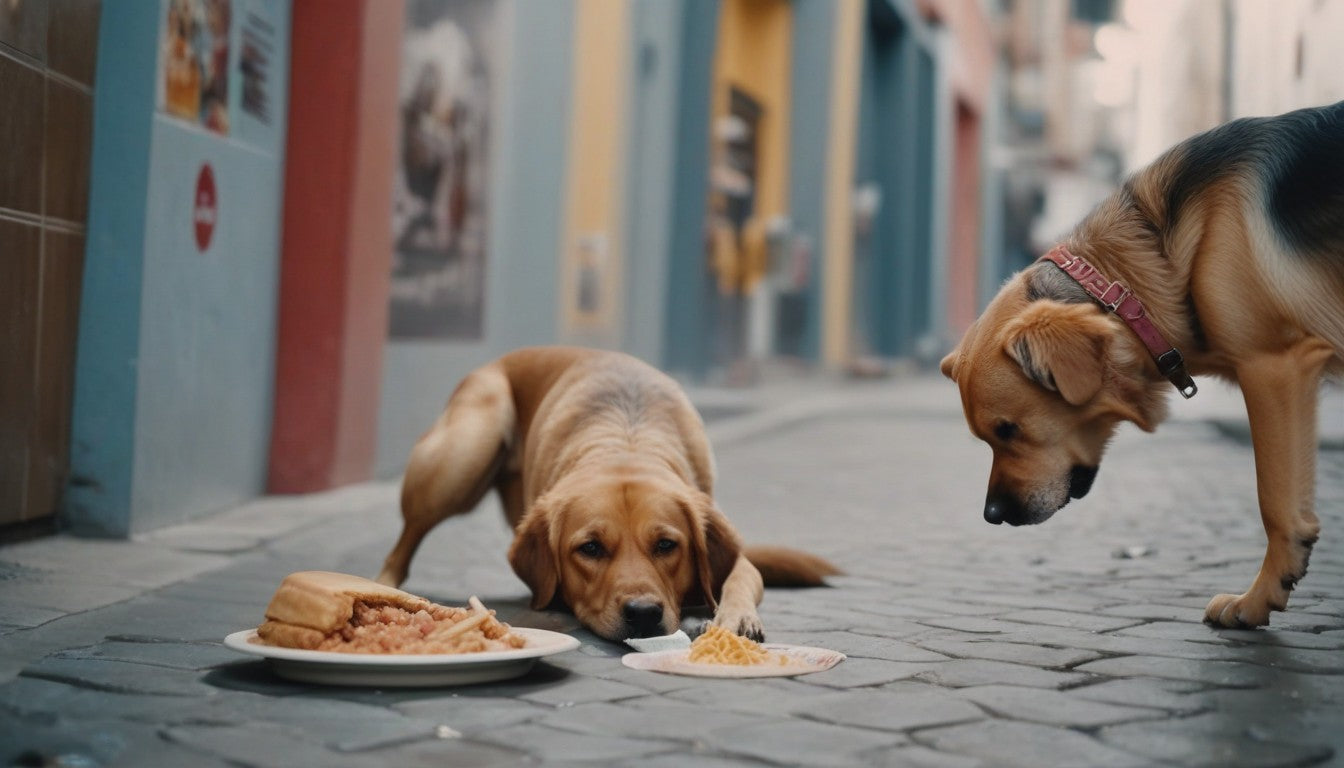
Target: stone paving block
x,y
1185,631
860,646
1156,612
1092,622
1172,696
469,715
257,744
754,697
37,699
1017,653
961,673
253,677
1211,740
915,756
803,743
1224,673
154,653
647,718
64,595
1028,745
448,752
339,724
24,616
94,741
890,710
120,677
109,561
682,760
582,690
859,672
973,624
564,746
1050,707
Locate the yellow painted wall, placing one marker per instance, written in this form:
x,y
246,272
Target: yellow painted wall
x,y
753,55
838,248
595,188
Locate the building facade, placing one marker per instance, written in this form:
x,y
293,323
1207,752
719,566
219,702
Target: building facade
x,y
309,220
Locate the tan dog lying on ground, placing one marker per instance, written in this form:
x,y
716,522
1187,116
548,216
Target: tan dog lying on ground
x,y
1229,248
605,474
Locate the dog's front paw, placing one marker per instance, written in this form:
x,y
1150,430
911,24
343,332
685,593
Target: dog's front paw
x,y
1237,611
747,624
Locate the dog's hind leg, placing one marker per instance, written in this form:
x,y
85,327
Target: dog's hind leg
x,y
1281,399
454,463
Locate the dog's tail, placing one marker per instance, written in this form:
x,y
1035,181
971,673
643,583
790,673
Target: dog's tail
x,y
784,567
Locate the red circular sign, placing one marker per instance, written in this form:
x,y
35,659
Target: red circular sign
x,y
205,208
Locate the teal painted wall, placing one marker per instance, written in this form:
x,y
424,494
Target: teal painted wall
x,y
689,291
650,171
174,374
810,125
102,431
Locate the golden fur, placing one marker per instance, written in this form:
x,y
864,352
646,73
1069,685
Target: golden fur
x,y
606,476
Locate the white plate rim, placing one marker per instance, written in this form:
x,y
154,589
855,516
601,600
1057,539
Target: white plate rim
x,y
551,644
734,670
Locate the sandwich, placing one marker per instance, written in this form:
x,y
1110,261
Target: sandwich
x,y
325,611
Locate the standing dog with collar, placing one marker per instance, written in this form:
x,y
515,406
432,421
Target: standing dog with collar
x,y
1223,257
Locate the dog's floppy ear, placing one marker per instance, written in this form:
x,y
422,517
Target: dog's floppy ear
x,y
714,543
533,554
1061,347
951,363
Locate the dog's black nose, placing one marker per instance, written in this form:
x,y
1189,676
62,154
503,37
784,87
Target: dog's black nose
x,y
995,511
1003,509
642,618
1080,480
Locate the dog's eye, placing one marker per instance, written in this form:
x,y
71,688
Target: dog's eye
x,y
1005,430
592,548
664,546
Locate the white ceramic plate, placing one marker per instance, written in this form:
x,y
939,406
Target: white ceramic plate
x,y
409,670
798,660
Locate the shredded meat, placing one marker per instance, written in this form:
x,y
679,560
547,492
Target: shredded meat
x,y
383,628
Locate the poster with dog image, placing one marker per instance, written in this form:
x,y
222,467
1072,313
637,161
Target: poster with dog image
x,y
442,176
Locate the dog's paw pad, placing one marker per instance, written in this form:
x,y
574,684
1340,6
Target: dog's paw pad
x,y
1236,612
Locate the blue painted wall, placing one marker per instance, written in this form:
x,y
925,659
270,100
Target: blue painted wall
x,y
176,352
689,289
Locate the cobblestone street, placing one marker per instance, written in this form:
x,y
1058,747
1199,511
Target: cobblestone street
x,y
1074,643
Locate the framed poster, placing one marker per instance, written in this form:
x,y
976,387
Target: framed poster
x,y
442,179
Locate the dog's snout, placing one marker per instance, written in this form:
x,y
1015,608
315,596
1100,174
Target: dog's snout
x,y
643,618
1080,480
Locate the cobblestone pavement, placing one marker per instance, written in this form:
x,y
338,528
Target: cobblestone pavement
x,y
1077,643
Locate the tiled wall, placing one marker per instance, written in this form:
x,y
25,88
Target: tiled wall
x,y
47,54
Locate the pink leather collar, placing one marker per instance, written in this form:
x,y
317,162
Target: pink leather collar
x,y
1117,298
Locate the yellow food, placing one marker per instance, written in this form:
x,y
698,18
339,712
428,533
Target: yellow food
x,y
719,646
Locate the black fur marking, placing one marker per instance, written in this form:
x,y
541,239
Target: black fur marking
x,y
1306,200
1298,157
1042,376
1048,281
